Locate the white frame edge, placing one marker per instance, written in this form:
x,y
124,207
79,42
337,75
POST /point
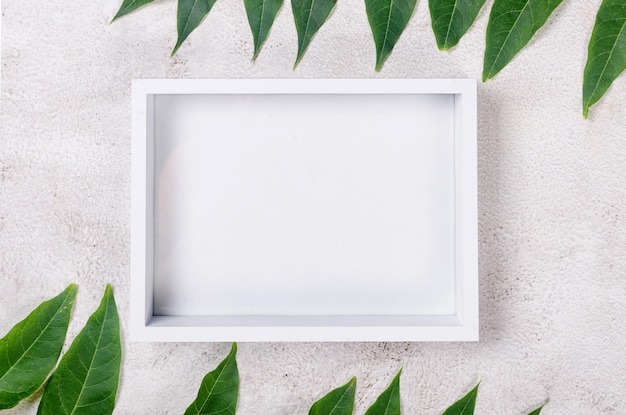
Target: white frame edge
x,y
463,326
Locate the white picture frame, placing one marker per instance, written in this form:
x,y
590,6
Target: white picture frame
x,y
304,210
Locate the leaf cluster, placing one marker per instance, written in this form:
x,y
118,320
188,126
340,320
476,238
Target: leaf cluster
x,y
85,380
87,377
512,24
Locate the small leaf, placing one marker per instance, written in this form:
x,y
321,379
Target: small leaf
x,y
388,403
309,16
219,389
261,15
388,19
512,23
465,405
536,411
129,6
606,57
339,401
451,19
85,383
189,16
32,347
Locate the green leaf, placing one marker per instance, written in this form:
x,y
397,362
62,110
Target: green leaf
x,y
388,403
339,401
606,56
32,347
512,23
219,389
261,15
309,16
85,383
536,411
387,19
465,405
129,6
451,19
189,16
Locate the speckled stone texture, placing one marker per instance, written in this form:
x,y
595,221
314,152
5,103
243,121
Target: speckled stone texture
x,y
552,205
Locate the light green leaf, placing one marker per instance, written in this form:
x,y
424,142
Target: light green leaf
x,y
219,389
129,6
339,401
512,23
606,56
32,347
189,16
388,403
536,411
85,383
451,19
387,19
309,16
465,405
261,15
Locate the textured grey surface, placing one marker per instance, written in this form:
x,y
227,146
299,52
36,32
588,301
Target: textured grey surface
x,y
552,205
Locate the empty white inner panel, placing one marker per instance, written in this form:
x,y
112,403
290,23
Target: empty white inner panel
x,y
304,205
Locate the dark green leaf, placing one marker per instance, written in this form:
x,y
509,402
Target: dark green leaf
x,y
339,401
451,19
219,389
512,23
536,411
189,16
129,6
32,347
465,405
606,57
388,403
309,16
261,15
85,383
387,18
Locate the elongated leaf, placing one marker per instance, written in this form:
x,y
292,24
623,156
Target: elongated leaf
x,y
388,403
189,16
512,23
606,57
32,347
219,389
536,411
465,405
129,6
261,15
309,16
85,383
387,19
339,401
451,19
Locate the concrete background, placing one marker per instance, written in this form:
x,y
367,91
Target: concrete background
x,y
552,205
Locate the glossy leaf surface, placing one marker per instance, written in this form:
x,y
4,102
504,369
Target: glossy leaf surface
x,y
219,389
465,405
189,16
129,6
32,347
606,56
451,19
388,19
512,23
388,403
339,401
85,383
309,16
261,15
536,411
